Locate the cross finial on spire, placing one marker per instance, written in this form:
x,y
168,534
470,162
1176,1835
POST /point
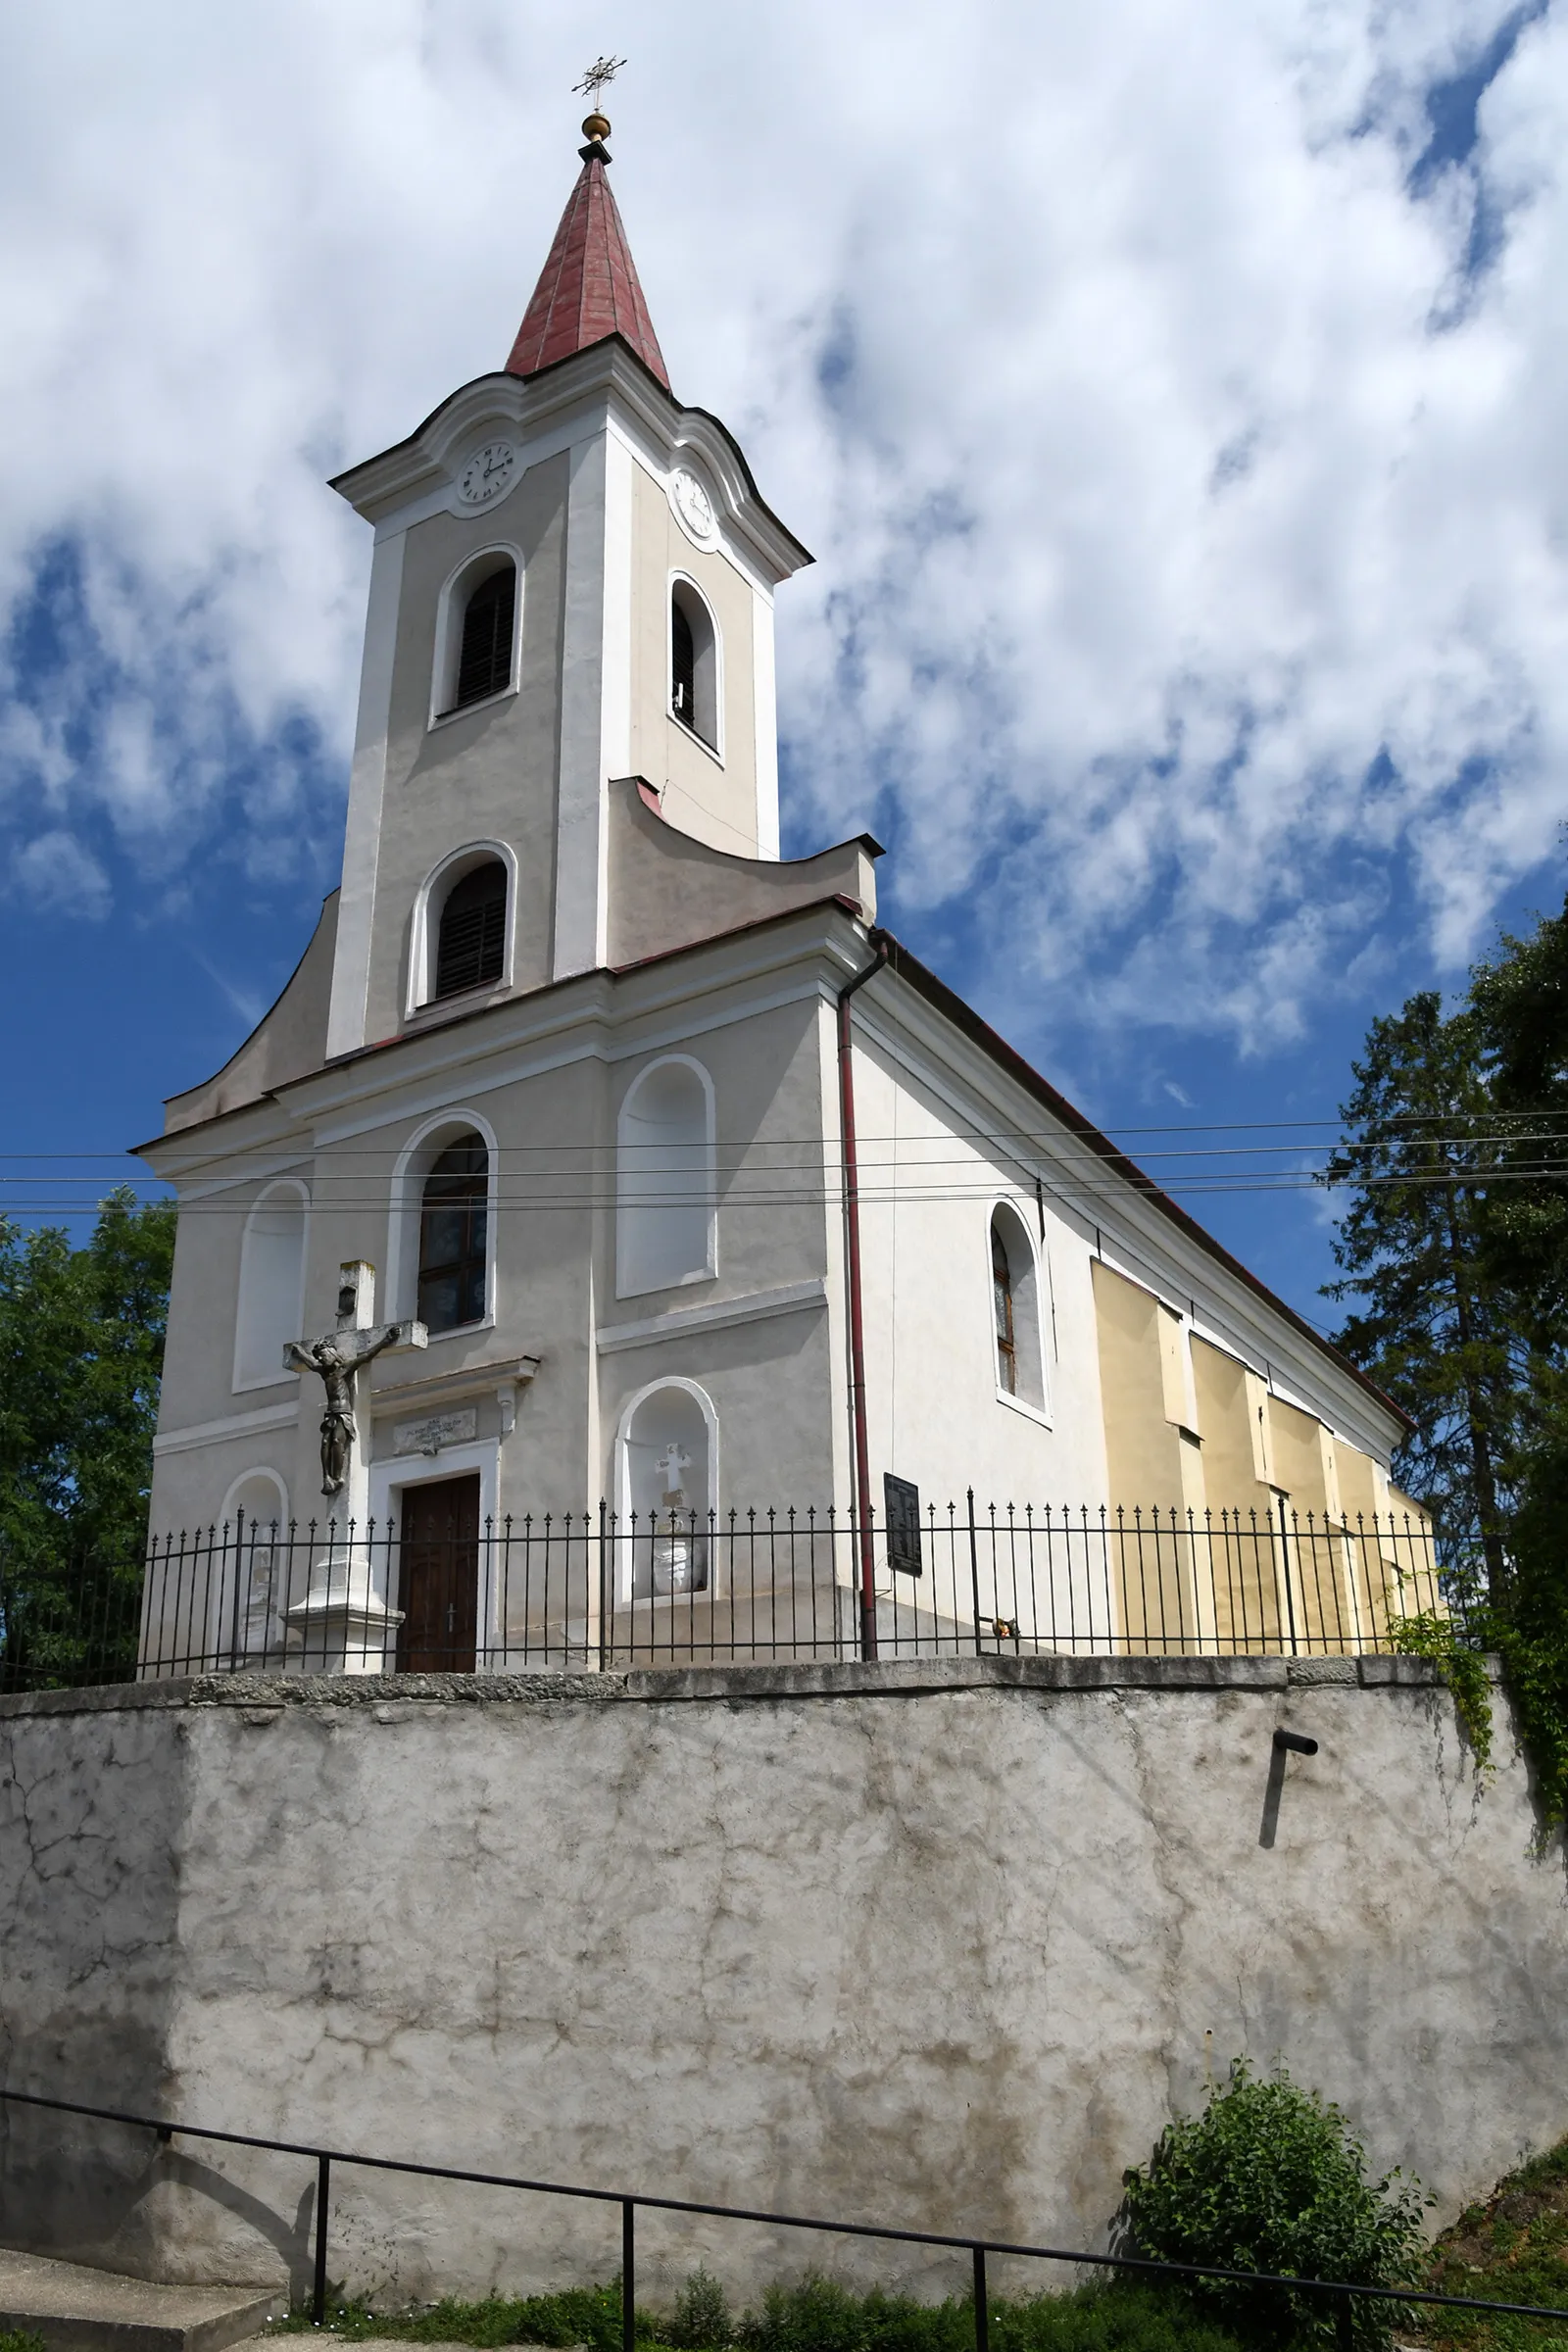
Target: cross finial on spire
x,y
603,69
596,124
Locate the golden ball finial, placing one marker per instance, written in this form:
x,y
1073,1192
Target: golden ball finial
x,y
596,127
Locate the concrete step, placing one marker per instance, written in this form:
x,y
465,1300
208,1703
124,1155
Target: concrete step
x,y
75,2308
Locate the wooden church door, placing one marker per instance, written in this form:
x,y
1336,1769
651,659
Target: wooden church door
x,y
440,1596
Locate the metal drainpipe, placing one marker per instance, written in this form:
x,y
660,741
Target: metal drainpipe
x,y
852,1245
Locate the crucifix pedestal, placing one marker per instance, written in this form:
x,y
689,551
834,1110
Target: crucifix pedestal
x,y
343,1625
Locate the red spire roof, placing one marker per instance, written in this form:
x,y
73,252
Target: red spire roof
x,y
588,287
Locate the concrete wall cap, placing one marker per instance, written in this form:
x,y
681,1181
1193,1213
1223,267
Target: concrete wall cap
x,y
795,1679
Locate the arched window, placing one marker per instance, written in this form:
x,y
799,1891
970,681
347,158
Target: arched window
x,y
1015,1312
471,939
1001,1297
693,663
248,1623
665,1179
269,1308
483,649
454,1226
666,1489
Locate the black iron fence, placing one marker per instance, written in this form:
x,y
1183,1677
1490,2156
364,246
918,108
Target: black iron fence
x,y
565,1592
1348,2301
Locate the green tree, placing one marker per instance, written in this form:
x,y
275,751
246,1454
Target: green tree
x,y
1436,1326
1520,1002
82,1347
1520,1007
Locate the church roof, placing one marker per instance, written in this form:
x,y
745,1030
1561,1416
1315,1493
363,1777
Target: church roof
x,y
588,287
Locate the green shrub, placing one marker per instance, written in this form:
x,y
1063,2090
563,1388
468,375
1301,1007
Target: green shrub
x,y
16,2339
701,2321
1271,2177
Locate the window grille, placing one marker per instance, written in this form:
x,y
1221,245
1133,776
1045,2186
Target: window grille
x,y
484,663
1002,1287
454,1230
682,665
472,947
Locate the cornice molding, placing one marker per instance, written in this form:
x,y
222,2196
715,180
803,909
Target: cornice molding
x,y
230,1425
609,377
808,950
756,1306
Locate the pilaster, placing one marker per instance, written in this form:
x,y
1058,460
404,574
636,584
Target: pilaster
x,y
351,965
594,693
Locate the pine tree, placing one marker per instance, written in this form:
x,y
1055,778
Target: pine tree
x,y
1521,1008
1437,1329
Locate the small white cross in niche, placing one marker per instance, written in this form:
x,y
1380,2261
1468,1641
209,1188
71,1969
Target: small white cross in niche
x,y
672,1465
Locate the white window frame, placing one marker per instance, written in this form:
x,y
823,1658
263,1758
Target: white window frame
x,y
1041,1412
424,927
283,1376
451,605
715,748
392,1479
707,1510
709,1271
409,1171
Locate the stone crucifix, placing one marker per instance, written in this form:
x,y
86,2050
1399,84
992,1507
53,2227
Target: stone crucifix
x,y
337,1357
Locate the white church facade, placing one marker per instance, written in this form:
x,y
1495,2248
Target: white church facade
x,y
678,1196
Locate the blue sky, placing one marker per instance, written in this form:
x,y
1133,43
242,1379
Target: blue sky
x,y
1172,400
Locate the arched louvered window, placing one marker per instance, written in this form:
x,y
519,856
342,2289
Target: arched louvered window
x,y
472,941
484,656
693,663
454,1230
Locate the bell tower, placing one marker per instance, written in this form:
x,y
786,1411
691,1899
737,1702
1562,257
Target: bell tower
x,y
572,582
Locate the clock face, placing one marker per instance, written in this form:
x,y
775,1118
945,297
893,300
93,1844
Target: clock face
x,y
488,474
694,509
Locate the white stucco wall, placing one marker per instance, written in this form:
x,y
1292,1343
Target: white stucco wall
x,y
930,1181
935,1946
771,1375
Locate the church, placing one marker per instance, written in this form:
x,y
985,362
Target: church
x,y
613,1242
738,1608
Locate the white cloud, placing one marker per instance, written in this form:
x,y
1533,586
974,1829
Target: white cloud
x,y
53,873
1191,532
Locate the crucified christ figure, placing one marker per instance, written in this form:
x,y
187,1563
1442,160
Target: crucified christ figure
x,y
335,1359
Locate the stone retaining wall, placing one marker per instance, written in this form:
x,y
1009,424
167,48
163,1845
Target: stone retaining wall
x,y
937,1945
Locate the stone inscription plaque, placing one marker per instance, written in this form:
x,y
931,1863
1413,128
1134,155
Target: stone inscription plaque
x,y
435,1431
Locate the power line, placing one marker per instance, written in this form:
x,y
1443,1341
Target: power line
x,y
907,1147
780,1198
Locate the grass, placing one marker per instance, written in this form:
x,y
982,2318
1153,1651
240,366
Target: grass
x,y
1514,2247
814,2316
16,2339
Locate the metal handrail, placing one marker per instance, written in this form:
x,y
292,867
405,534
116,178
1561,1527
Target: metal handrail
x,y
977,2247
